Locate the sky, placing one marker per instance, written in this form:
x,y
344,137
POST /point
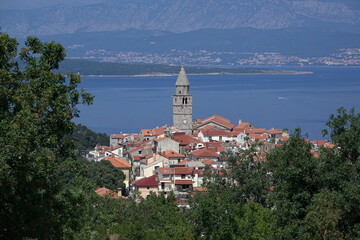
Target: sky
x,y
31,4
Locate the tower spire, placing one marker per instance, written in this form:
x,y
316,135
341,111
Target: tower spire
x,y
182,79
182,103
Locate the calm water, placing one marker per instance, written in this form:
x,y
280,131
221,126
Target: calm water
x,y
127,104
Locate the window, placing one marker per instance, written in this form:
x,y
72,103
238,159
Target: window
x,y
182,176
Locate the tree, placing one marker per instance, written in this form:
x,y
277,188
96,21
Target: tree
x,y
249,176
340,168
215,216
256,222
86,139
36,109
104,174
155,217
294,177
324,214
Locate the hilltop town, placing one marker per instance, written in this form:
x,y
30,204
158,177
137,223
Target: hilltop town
x,y
175,158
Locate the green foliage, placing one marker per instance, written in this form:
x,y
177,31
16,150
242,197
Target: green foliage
x,y
156,217
323,216
256,222
104,174
36,109
249,176
215,216
293,174
345,133
85,139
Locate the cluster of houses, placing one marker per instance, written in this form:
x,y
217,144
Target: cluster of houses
x,y
167,160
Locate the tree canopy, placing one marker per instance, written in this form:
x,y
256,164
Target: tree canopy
x,y
36,109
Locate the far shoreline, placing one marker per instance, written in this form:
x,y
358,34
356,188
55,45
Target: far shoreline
x,y
204,74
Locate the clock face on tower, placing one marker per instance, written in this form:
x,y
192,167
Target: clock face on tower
x,y
184,122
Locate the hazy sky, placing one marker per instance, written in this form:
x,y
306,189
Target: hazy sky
x,y
30,4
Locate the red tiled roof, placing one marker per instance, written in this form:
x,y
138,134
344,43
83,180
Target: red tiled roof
x,y
148,132
159,131
185,139
320,142
216,117
259,136
147,182
315,154
213,144
172,154
183,182
183,162
183,170
117,162
283,139
208,127
106,192
220,149
329,145
165,170
274,131
203,152
243,125
219,120
199,172
207,161
137,158
103,147
215,133
117,136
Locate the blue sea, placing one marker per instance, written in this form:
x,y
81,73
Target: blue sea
x,y
128,104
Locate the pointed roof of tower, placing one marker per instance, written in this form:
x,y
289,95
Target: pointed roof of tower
x,y
182,79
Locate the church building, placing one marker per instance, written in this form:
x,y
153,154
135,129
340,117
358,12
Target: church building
x,y
182,104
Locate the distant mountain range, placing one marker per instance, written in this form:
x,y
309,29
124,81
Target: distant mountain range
x,y
180,16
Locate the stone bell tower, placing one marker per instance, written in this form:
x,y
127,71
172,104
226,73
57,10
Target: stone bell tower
x,y
182,104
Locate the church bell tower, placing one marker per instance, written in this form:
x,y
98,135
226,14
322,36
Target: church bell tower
x,y
182,104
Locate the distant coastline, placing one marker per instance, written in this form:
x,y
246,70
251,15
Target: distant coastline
x,y
194,74
101,69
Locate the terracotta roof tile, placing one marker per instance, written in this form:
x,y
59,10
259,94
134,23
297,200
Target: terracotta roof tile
x,y
172,154
243,125
117,162
208,161
274,131
204,153
165,170
183,182
106,192
183,170
216,117
147,182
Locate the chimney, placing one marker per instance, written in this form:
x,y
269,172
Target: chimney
x,y
240,121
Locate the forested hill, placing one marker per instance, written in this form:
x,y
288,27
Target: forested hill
x,y
85,67
85,139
